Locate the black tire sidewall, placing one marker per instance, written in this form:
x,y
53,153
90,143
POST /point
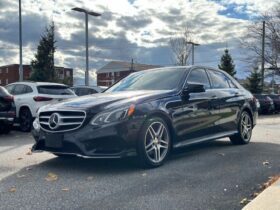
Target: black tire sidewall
x,y
141,151
24,128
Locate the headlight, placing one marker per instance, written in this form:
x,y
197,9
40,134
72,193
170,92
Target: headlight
x,y
113,116
36,124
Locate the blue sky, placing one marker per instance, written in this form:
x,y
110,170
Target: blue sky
x,y
138,29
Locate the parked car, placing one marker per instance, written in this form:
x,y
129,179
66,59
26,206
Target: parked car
x,y
30,96
86,90
7,110
266,103
276,101
149,112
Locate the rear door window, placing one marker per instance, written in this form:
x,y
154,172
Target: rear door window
x,y
54,90
218,79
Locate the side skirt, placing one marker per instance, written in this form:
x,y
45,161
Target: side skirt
x,y
204,138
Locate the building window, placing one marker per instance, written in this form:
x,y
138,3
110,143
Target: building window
x,y
108,74
68,74
118,74
0,82
61,76
7,70
0,71
7,81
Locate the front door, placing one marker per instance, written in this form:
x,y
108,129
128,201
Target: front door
x,y
196,116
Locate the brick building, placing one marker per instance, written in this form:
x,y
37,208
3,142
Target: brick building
x,y
10,74
116,70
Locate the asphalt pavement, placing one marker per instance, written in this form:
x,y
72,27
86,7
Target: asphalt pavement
x,y
213,175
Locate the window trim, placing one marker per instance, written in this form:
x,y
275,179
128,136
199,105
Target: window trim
x,y
214,70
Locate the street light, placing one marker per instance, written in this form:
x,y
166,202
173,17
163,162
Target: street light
x,y
86,23
20,44
193,44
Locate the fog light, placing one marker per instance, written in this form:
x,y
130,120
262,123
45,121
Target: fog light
x,y
36,125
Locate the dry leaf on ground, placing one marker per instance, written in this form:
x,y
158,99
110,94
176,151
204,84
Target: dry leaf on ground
x,y
20,158
65,189
244,201
12,189
29,152
51,177
266,163
20,176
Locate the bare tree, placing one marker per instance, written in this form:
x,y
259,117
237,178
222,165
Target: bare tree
x,y
253,39
180,47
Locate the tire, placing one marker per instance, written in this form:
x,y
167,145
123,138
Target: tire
x,y
245,127
25,120
7,129
154,143
4,128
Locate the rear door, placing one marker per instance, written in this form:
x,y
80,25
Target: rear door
x,y
229,99
22,95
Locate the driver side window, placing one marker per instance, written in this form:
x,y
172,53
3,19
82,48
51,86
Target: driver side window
x,y
199,76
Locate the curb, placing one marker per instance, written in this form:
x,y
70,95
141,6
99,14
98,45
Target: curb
x,y
269,199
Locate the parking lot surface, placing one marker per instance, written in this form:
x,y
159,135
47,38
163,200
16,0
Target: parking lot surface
x,y
213,175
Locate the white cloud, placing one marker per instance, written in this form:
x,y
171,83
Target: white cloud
x,y
140,29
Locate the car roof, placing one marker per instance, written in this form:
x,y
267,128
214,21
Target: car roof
x,y
37,83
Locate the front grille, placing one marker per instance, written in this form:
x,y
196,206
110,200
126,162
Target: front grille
x,y
60,121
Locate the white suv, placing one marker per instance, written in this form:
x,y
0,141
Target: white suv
x,y
30,96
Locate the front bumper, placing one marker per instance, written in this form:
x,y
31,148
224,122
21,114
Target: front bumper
x,y
110,141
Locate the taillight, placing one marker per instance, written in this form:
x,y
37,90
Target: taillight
x,y
41,98
9,98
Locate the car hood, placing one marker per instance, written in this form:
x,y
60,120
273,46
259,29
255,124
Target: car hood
x,y
108,100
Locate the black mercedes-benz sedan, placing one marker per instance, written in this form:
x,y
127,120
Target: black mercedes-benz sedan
x,y
148,113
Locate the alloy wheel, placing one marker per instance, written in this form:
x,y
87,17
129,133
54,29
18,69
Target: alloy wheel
x,y
157,142
246,127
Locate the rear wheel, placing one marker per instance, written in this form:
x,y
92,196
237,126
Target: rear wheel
x,y
154,143
25,120
245,128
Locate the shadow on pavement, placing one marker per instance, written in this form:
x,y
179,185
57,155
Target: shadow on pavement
x,y
189,153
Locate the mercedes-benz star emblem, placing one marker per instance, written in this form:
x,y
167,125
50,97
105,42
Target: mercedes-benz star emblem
x,y
54,121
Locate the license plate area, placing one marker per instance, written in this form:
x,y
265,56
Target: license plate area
x,y
54,140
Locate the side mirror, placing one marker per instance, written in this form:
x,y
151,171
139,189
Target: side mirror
x,y
193,88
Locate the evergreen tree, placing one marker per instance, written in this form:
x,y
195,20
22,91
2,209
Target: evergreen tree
x,y
43,64
255,81
226,63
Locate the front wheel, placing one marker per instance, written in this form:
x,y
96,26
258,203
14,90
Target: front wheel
x,y
245,128
154,143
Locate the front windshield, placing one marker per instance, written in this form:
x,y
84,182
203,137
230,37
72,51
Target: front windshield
x,y
158,79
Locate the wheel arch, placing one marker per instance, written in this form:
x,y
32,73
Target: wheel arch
x,y
24,107
249,111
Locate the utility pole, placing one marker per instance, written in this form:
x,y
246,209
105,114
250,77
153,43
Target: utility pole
x,y
86,25
20,44
263,42
87,66
193,44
